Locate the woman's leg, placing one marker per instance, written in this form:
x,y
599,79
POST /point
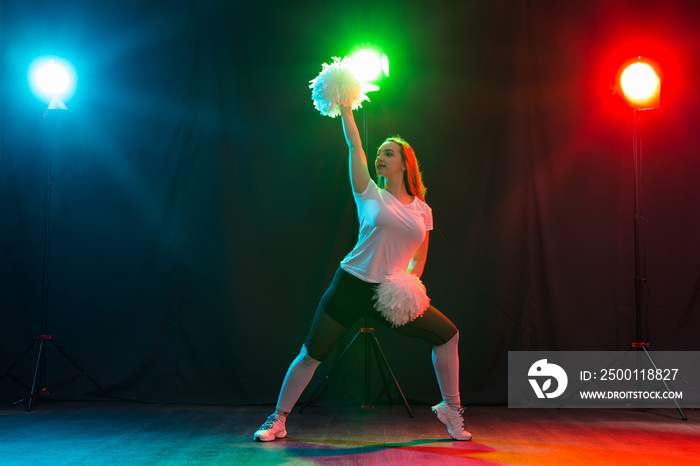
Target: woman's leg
x,y
434,327
446,364
437,329
324,333
342,304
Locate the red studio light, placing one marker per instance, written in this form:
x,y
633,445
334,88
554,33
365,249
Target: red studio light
x,y
640,84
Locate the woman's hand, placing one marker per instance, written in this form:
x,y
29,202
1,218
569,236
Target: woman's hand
x,y
359,173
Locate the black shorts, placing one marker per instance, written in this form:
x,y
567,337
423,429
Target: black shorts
x,y
348,298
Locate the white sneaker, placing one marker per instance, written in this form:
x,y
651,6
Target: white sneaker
x,y
272,428
453,420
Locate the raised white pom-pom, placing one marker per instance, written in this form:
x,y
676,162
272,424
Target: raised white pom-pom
x,y
336,87
401,297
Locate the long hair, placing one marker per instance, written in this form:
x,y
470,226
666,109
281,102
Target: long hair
x,y
412,178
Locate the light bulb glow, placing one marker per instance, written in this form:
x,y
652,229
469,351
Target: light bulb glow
x,y
52,79
639,81
368,65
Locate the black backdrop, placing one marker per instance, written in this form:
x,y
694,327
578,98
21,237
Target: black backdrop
x,y
201,204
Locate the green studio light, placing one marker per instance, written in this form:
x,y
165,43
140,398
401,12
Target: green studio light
x,y
370,67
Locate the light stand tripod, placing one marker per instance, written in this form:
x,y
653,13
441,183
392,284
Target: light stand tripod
x,y
638,279
387,375
370,344
638,344
38,387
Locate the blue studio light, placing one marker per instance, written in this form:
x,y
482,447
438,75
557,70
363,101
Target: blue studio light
x,y
52,80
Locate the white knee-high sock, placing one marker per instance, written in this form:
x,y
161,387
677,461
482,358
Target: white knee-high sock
x,y
446,364
298,377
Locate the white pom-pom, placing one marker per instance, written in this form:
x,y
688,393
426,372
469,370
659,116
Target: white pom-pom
x,y
336,87
401,297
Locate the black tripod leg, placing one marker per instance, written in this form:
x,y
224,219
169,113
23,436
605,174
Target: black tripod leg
x,y
80,368
330,373
386,379
42,350
666,385
386,389
14,364
388,368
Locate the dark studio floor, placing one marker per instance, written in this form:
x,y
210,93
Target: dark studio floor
x,y
108,433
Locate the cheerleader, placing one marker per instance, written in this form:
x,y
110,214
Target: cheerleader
x,y
379,278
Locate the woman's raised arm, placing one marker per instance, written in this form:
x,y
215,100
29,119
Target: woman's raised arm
x,y
359,174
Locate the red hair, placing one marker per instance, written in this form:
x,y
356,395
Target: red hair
x,y
412,178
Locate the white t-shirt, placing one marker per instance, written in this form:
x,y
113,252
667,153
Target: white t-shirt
x,y
390,233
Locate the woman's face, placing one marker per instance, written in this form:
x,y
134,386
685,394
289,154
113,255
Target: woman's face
x,y
389,162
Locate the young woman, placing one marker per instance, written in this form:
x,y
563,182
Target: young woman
x,y
394,225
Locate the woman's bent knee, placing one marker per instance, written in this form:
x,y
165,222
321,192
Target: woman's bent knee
x,y
311,353
306,359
